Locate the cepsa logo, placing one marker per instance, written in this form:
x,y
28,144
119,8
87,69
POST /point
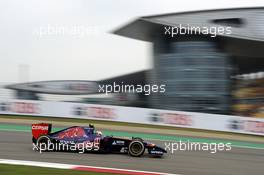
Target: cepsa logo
x,y
39,127
20,107
96,112
172,118
247,125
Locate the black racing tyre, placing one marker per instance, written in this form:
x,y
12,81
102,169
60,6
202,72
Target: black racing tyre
x,y
136,148
34,140
44,143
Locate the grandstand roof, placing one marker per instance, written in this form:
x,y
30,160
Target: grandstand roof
x,y
246,23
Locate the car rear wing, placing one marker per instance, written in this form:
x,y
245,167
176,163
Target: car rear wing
x,y
40,129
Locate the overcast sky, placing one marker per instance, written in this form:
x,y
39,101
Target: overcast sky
x,y
31,50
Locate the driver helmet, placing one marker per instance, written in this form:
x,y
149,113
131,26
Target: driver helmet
x,y
99,133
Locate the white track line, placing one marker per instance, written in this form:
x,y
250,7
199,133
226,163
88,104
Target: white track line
x,y
35,163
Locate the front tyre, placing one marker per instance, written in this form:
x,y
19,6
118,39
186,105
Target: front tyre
x,y
136,148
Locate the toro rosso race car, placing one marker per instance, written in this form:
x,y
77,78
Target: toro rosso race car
x,y
86,139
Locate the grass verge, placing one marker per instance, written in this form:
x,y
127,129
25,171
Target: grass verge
x,y
30,170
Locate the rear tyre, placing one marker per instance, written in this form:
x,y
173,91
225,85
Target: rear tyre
x,y
44,143
136,148
34,140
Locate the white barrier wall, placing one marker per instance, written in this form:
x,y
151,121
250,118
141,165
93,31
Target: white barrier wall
x,y
215,122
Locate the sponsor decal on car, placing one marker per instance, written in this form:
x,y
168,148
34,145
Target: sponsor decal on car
x,y
118,142
39,127
156,152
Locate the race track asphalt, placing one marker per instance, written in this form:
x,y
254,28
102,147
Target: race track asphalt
x,y
238,161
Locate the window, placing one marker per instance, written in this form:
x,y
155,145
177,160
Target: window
x,y
233,22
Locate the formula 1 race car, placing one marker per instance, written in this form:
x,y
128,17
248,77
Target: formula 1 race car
x,y
87,139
